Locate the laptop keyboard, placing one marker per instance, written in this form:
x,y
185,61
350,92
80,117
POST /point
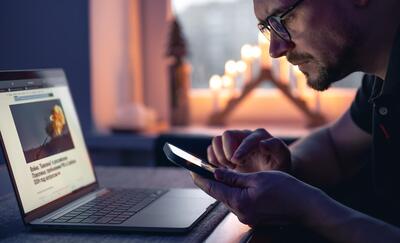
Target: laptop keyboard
x,y
114,207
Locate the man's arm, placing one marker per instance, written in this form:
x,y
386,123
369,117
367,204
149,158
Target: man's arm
x,y
330,154
274,197
339,223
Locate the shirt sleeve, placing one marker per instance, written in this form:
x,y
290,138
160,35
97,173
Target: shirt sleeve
x,y
361,108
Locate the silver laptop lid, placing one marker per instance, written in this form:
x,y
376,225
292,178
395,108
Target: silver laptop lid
x,y
42,140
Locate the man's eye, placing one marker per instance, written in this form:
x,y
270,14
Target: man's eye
x,y
287,20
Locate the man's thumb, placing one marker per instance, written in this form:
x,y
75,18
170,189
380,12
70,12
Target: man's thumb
x,y
231,178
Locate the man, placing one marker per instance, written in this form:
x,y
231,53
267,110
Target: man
x,y
267,181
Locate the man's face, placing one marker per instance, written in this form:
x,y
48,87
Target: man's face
x,y
323,40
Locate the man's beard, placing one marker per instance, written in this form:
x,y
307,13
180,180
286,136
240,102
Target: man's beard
x,y
326,74
324,77
323,81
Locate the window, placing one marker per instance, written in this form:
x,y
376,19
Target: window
x,y
215,31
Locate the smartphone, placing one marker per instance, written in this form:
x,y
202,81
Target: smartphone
x,y
188,161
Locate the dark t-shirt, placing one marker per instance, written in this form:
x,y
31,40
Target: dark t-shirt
x,y
376,110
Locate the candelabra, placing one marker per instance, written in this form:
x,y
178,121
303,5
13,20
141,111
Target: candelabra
x,y
219,117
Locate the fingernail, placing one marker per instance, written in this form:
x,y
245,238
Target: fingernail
x,y
265,144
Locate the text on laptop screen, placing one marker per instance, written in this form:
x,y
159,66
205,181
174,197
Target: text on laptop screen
x,y
43,140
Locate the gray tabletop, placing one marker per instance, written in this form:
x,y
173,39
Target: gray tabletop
x,y
13,230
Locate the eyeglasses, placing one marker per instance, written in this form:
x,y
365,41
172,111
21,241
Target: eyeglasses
x,y
275,23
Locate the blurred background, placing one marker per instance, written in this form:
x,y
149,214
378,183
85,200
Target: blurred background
x,y
145,72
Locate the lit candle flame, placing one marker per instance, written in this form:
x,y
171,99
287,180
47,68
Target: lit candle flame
x,y
227,82
230,68
247,52
241,66
215,82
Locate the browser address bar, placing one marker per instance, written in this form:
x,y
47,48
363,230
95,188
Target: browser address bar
x,y
33,97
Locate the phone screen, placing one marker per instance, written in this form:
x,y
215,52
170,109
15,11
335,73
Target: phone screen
x,y
190,158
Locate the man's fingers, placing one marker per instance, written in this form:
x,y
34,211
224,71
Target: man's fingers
x,y
232,178
219,152
231,140
217,190
212,159
278,149
249,143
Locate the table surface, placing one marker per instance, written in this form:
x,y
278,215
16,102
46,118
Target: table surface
x,y
115,177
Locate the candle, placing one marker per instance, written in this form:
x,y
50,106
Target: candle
x,y
256,62
255,52
247,57
231,68
263,43
301,81
293,81
284,70
228,85
247,53
241,68
275,68
227,82
215,86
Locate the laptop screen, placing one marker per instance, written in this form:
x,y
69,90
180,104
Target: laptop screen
x,y
42,137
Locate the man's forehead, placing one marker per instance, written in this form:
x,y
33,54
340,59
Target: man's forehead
x,y
264,8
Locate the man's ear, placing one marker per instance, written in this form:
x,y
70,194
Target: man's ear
x,y
361,3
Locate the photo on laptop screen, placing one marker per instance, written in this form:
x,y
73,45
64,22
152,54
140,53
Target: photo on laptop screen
x,y
42,129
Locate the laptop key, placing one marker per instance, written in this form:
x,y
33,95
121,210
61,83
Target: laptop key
x,y
90,220
75,220
116,221
141,205
104,220
112,208
60,221
80,217
71,214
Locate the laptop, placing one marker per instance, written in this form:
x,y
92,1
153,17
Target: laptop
x,y
52,174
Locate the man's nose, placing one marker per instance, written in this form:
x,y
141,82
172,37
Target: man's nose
x,y
279,47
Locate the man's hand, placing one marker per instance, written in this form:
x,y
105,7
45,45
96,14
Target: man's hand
x,y
264,198
247,151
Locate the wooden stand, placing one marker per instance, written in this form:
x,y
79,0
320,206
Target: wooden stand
x,y
219,118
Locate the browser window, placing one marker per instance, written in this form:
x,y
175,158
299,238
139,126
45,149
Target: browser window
x,y
43,140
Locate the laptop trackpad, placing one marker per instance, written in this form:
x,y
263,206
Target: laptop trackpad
x,y
177,209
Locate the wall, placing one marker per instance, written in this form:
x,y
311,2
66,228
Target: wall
x,y
128,43
49,34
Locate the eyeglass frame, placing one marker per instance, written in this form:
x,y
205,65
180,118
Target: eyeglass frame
x,y
265,25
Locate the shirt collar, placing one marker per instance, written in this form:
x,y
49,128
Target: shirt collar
x,y
391,84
